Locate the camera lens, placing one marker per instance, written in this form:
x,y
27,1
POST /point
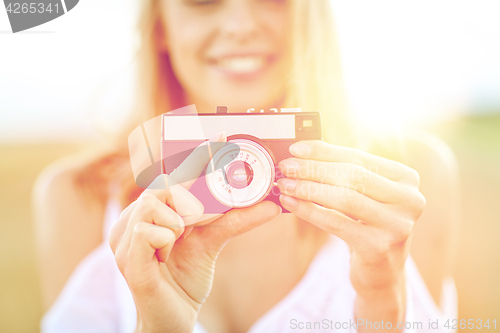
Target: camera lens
x,y
246,180
239,174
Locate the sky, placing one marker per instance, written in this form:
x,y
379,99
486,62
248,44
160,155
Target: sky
x,y
406,62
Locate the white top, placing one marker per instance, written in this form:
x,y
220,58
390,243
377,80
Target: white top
x,y
96,298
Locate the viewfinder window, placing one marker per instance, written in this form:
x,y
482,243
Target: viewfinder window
x,y
307,123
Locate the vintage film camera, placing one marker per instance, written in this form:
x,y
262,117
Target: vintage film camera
x,y
244,170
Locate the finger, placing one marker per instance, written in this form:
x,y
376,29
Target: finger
x,y
185,204
234,223
191,168
167,190
329,220
120,226
342,199
147,240
151,210
322,151
346,175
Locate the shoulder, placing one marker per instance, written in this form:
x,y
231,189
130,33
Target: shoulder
x,y
436,232
68,223
431,157
63,192
57,183
56,180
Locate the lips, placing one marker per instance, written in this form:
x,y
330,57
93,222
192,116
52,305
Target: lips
x,y
241,65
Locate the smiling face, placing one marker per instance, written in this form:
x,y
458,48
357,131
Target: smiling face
x,y
227,52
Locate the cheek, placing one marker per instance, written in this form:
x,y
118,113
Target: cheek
x,y
183,56
184,48
185,39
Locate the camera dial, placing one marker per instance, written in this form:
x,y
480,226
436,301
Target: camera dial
x,y
246,179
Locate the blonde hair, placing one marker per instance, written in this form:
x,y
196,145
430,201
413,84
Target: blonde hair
x,y
314,80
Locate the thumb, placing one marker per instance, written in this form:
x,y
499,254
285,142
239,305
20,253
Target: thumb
x,y
236,222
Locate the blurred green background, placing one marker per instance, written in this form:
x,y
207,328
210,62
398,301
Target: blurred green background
x,y
475,140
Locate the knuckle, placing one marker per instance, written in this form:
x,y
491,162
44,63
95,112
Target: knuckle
x,y
140,230
405,229
121,260
417,203
421,203
146,203
352,201
381,249
332,221
400,234
413,177
147,199
358,177
361,158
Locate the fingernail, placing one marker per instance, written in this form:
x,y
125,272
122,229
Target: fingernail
x,y
287,184
187,231
220,137
300,149
288,201
289,165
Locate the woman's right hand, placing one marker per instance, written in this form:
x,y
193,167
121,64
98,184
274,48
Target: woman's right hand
x,y
171,276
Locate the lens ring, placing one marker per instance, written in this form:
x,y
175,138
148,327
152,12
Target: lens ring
x,y
254,178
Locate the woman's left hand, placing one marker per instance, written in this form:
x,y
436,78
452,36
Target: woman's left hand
x,y
370,202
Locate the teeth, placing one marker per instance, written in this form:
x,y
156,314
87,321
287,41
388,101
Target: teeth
x,y
242,65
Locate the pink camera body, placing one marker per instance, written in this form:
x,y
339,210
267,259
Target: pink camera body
x,y
242,171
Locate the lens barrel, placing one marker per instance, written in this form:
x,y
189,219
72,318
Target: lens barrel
x,y
247,179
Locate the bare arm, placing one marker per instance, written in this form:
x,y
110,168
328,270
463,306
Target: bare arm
x,y
67,228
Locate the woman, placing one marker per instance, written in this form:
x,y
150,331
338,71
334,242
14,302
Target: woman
x,y
340,257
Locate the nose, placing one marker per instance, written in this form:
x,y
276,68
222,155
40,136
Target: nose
x,y
240,20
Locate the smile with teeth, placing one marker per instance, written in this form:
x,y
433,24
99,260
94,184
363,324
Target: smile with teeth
x,y
242,64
